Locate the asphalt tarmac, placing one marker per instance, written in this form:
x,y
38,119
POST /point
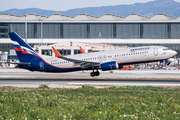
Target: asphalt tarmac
x,y
24,78
116,74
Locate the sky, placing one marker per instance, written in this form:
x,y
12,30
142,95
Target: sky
x,y
63,5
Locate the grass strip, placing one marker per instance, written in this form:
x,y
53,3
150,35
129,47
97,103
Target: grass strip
x,y
88,102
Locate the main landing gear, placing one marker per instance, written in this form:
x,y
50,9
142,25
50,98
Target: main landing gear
x,y
97,73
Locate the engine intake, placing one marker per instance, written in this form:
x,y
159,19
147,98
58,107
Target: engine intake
x,y
109,65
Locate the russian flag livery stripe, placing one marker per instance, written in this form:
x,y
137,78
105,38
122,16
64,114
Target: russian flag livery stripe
x,y
21,46
16,38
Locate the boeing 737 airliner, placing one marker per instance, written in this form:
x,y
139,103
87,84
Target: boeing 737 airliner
x,y
106,60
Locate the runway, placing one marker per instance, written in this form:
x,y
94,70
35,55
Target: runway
x,y
116,74
23,78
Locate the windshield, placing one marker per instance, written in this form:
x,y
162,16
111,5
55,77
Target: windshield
x,y
165,49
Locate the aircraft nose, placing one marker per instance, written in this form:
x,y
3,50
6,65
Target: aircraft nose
x,y
173,52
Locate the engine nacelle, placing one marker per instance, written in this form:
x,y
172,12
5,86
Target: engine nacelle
x,y
109,65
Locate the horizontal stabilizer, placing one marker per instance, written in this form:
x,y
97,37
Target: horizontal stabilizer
x,y
20,63
17,63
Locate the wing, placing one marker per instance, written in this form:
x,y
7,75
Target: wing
x,y
82,63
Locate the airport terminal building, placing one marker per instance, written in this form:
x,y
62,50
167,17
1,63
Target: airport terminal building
x,y
134,30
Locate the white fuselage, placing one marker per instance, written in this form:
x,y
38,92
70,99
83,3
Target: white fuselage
x,y
122,56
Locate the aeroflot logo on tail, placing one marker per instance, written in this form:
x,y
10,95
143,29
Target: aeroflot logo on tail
x,y
142,49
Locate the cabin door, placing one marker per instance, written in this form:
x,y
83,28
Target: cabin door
x,y
155,51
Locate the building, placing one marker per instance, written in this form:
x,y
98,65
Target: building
x,y
71,48
134,30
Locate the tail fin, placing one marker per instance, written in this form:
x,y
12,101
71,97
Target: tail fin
x,y
24,52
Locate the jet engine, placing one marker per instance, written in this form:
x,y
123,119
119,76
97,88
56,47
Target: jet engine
x,y
109,65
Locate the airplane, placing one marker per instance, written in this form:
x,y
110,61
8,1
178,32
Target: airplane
x,y
105,60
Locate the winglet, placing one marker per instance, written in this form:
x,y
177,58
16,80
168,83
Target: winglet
x,y
82,50
57,53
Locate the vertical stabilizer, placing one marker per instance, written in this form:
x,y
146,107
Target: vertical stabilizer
x,y
24,52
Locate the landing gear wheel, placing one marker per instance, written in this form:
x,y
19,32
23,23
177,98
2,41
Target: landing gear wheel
x,y
97,73
92,74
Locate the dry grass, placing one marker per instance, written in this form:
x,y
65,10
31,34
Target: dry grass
x,y
43,86
11,88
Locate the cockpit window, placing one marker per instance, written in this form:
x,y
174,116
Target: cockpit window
x,y
165,49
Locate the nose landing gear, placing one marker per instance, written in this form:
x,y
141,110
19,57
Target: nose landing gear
x,y
97,73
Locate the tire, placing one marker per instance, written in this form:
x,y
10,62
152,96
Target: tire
x,y
92,74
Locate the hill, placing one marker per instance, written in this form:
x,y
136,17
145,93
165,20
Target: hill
x,y
149,9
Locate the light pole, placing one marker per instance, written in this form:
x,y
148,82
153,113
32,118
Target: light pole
x,y
26,27
41,32
41,19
